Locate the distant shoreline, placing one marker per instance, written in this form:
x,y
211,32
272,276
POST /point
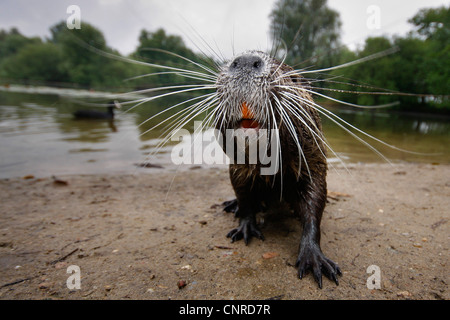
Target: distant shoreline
x,y
92,93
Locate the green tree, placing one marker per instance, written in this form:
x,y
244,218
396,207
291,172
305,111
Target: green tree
x,y
83,66
310,30
420,69
409,75
11,42
83,60
160,40
433,24
372,75
37,62
150,49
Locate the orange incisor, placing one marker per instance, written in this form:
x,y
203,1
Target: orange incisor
x,y
247,117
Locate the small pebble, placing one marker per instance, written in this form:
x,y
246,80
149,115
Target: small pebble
x,y
44,285
181,284
404,294
269,255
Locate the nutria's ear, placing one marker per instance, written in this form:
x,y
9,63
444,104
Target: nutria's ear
x,y
296,79
300,80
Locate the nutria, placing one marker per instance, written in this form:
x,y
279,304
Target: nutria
x,y
256,92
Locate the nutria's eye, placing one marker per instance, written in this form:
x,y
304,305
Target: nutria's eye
x,y
234,64
256,64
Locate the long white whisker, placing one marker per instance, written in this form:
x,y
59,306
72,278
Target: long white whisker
x,y
142,101
316,132
333,118
129,60
292,132
191,87
191,75
191,112
379,93
280,161
184,58
182,120
358,61
302,116
174,106
387,105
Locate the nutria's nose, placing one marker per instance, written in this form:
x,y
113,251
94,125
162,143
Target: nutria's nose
x,y
248,63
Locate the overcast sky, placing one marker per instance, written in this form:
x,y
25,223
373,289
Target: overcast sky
x,y
226,25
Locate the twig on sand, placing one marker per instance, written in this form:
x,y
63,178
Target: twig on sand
x,y
16,282
64,257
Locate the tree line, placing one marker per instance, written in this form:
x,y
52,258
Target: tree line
x,y
306,34
81,58
416,73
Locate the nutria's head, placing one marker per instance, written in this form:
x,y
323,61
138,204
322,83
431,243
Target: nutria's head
x,y
261,99
249,87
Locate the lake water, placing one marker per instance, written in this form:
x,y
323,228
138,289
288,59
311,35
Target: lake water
x,y
40,137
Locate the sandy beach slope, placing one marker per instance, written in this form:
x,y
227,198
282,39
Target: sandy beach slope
x,y
161,235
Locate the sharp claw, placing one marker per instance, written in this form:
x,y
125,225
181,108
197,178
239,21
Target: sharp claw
x,y
231,233
246,237
230,206
335,279
333,276
318,277
301,269
313,259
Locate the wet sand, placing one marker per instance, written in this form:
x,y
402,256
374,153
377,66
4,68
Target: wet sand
x,y
161,235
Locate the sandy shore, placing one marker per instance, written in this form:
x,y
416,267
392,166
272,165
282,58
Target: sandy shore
x,y
162,236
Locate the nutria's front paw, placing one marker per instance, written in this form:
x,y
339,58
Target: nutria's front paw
x,y
312,258
247,229
230,206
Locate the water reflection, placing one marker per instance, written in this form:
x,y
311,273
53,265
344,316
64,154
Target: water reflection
x,y
92,131
39,135
413,132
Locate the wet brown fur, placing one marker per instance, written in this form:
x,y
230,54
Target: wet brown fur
x,y
305,191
